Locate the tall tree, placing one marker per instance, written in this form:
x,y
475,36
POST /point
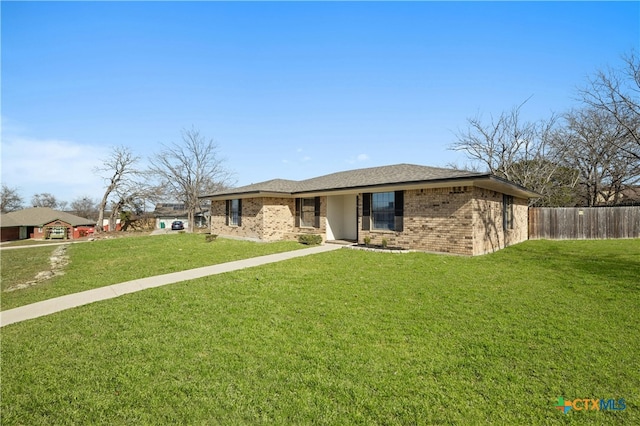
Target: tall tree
x,y
597,146
517,150
10,199
85,207
44,199
616,92
118,170
190,169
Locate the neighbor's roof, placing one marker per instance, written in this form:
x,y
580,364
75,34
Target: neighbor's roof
x,y
375,177
174,210
38,216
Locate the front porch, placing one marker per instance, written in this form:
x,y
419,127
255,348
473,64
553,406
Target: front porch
x,y
342,218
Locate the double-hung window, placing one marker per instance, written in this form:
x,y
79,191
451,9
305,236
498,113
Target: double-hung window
x,y
383,211
234,212
308,212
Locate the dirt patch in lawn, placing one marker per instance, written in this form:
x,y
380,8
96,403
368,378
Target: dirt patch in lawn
x,y
57,261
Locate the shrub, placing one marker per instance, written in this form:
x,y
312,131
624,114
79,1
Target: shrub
x,y
310,239
367,240
384,243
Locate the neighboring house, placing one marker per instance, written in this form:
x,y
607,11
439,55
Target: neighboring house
x,y
166,213
43,223
105,224
629,196
409,206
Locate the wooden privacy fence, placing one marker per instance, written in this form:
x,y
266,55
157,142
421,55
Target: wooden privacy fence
x,y
559,223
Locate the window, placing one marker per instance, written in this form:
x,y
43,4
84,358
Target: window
x,y
308,212
383,211
234,212
507,212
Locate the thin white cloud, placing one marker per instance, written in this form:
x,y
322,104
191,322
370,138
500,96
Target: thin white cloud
x,y
305,158
62,168
358,159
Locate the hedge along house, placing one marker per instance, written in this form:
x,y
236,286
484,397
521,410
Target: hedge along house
x,y
409,206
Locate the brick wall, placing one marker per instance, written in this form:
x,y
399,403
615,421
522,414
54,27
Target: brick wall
x,y
489,234
267,219
278,218
250,221
438,220
459,220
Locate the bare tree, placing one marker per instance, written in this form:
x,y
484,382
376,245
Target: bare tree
x,y
519,151
597,146
85,207
10,199
617,92
190,169
44,199
117,170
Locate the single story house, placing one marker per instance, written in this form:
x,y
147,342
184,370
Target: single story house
x,y
43,223
408,206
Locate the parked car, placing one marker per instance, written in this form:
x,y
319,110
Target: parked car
x,y
177,225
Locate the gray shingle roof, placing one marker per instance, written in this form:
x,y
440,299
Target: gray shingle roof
x,y
383,175
359,178
38,216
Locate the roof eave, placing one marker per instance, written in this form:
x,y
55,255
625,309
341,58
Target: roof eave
x,y
486,181
499,184
247,194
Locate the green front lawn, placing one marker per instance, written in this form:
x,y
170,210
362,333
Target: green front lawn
x,y
105,262
347,337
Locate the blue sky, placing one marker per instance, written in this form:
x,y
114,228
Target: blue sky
x,y
287,89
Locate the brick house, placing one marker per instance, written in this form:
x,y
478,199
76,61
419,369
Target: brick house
x,y
410,206
43,223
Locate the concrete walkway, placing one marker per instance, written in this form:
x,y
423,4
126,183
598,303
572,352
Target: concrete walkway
x,y
47,307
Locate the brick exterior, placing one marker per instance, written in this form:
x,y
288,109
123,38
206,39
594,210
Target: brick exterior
x,y
266,219
489,234
458,220
437,220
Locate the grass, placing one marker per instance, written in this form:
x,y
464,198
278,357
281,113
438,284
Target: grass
x,y
105,262
346,337
22,265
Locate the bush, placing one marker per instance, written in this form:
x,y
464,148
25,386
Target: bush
x,y
367,240
310,239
